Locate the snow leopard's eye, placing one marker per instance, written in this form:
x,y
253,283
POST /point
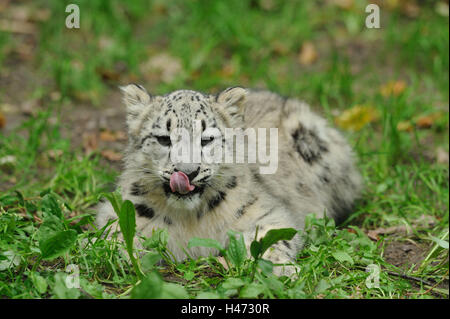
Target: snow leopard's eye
x,y
207,140
164,140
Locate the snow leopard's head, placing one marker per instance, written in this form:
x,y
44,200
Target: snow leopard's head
x,y
177,144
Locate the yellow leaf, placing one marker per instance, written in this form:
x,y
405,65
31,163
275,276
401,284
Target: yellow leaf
x,y
308,54
404,126
357,117
393,88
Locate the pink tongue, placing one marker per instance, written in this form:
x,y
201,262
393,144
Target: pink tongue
x,y
179,182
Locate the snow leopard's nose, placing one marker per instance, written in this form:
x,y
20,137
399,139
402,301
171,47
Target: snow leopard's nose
x,y
191,171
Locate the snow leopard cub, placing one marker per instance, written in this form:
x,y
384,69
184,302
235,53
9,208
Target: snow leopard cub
x,y
315,173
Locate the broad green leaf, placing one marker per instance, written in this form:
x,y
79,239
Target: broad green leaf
x,y
149,260
236,251
20,198
8,260
115,201
233,283
50,205
207,295
159,238
253,290
60,288
51,226
255,249
127,222
58,244
205,242
173,291
93,288
271,281
189,275
275,235
322,286
265,265
440,242
40,283
296,293
342,256
153,287
149,288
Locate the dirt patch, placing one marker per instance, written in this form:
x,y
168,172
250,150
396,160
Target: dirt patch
x,y
403,254
87,124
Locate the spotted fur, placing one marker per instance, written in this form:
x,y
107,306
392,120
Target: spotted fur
x,y
316,171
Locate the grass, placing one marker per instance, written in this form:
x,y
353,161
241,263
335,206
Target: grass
x,y
49,185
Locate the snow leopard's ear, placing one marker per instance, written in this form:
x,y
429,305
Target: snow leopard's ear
x,y
135,97
232,100
137,100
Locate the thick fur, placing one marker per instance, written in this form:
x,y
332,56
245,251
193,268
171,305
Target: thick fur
x,y
316,171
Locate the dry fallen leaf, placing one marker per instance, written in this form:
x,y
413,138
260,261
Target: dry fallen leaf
x,y
421,122
308,54
112,136
425,221
374,234
29,107
427,121
424,122
2,120
90,142
442,156
111,155
222,261
393,88
108,74
279,47
54,154
107,136
357,117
